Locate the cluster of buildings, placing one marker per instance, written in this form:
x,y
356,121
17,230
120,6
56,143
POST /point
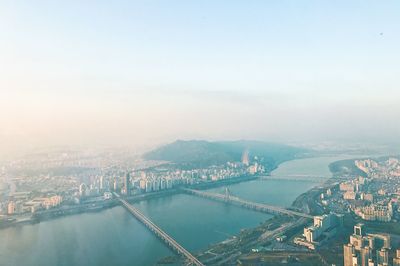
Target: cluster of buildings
x,y
123,183
55,178
368,166
375,212
354,189
373,197
369,249
155,179
70,178
366,203
389,168
149,185
25,204
24,194
323,228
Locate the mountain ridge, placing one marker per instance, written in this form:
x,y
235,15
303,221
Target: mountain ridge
x,y
203,153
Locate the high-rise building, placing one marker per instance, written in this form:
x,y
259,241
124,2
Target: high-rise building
x,y
127,184
366,249
359,229
101,185
366,255
348,251
396,260
115,185
245,158
82,190
382,256
148,186
324,227
11,207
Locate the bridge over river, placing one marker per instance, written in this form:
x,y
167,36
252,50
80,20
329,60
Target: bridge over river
x,y
168,240
265,208
175,246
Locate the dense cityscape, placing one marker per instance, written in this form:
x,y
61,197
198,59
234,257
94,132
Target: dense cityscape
x,y
26,194
362,193
371,200
199,133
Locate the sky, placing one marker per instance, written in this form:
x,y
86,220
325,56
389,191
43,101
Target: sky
x,y
137,73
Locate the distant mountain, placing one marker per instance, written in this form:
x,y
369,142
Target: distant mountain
x,y
200,153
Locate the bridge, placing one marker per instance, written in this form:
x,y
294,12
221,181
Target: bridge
x,y
265,208
302,178
169,241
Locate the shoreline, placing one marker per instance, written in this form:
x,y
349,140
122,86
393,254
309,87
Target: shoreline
x,y
304,202
99,206
55,214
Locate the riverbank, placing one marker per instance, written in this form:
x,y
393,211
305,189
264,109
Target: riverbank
x,y
194,222
97,206
262,243
261,238
332,252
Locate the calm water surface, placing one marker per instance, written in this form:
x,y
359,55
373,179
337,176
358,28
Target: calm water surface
x,y
114,237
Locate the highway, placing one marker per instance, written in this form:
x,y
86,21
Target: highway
x,y
175,246
247,204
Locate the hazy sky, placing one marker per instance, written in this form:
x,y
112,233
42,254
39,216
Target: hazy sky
x,y
143,72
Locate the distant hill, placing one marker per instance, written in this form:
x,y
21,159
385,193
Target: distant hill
x,y
200,153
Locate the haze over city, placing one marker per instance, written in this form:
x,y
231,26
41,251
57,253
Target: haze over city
x,y
218,133
145,73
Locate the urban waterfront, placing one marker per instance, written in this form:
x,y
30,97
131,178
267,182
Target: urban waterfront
x,y
114,237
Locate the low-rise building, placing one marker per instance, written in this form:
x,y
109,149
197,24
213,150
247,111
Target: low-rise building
x,y
346,186
349,195
375,212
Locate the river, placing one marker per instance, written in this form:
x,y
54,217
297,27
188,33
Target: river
x,y
114,237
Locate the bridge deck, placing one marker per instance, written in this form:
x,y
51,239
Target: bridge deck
x,y
161,234
248,204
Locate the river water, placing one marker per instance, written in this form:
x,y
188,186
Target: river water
x,y
114,237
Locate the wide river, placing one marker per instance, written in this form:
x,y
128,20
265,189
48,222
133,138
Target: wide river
x,y
114,237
